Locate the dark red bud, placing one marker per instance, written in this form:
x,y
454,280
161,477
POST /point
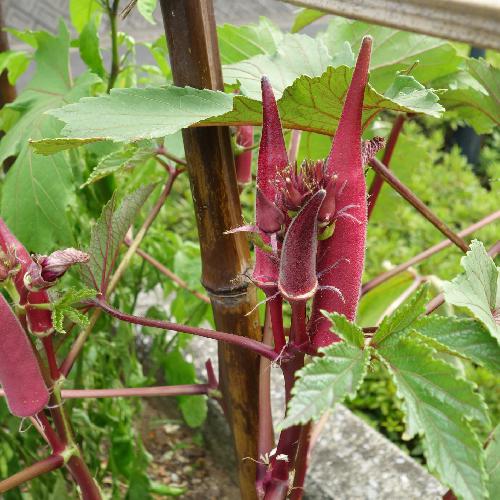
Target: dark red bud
x,y
45,270
297,274
269,217
20,374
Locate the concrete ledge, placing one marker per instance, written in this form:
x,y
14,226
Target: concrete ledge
x,y
351,461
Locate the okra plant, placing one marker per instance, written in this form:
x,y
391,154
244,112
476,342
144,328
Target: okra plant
x,y
324,126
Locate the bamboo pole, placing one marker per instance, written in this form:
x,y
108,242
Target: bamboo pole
x,y
194,57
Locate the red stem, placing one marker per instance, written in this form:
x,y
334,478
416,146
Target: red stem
x,y
142,392
48,432
42,467
303,457
266,430
298,334
409,196
245,342
80,472
51,357
276,312
377,182
370,285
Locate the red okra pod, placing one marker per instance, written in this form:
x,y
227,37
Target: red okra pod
x,y
243,161
20,374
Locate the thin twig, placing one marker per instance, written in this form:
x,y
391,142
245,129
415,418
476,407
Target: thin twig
x,y
168,273
370,285
39,468
377,182
409,196
162,151
141,392
245,342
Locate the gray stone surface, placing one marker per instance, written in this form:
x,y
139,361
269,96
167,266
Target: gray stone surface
x,y
351,461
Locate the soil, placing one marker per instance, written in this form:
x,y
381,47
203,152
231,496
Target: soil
x,y
179,457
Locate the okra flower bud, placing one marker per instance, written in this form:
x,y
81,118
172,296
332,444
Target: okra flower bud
x,y
20,374
45,270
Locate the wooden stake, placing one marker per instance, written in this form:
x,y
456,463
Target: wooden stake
x,y
194,57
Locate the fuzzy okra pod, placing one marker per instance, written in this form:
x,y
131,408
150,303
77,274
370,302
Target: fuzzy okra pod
x,y
20,374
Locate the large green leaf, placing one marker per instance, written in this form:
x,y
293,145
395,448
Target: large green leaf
x,y
465,336
37,190
493,463
90,51
15,63
237,43
326,381
395,51
477,289
402,318
474,95
146,9
82,11
346,330
439,404
107,235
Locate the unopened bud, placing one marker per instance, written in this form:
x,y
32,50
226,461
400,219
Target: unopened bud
x,y
46,269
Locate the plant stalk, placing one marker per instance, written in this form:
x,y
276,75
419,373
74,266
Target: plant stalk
x,y
115,56
378,181
142,392
409,196
38,469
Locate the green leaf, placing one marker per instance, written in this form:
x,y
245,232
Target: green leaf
x,y
305,17
477,289
146,9
128,157
82,11
107,235
402,318
395,51
15,63
345,329
90,50
237,43
438,404
62,308
296,55
493,463
465,336
37,190
134,114
374,303
474,96
326,381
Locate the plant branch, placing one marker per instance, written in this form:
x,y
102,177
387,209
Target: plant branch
x,y
370,285
39,468
51,357
168,273
245,342
164,152
141,392
409,196
378,181
115,56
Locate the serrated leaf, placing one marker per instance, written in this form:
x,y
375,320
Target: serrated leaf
x,y
296,55
438,404
130,156
326,381
76,295
345,329
146,8
90,50
58,319
310,103
37,190
107,235
477,289
134,114
402,318
237,43
305,17
493,463
474,96
464,336
395,51
374,303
